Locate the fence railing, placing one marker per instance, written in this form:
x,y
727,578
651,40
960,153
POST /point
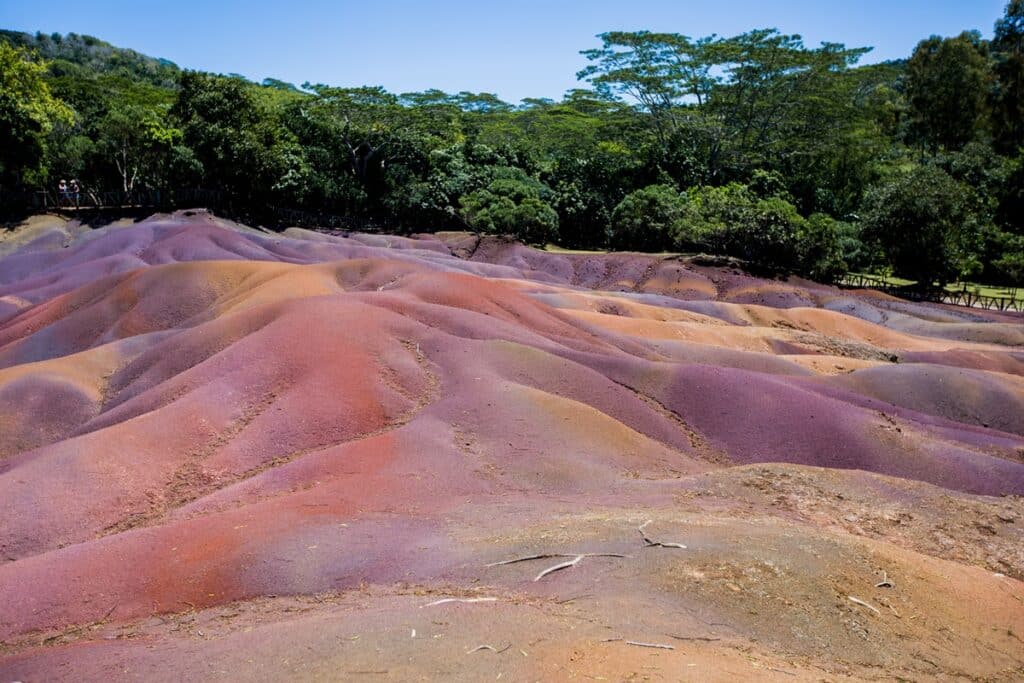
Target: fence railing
x,y
964,297
320,220
213,199
118,199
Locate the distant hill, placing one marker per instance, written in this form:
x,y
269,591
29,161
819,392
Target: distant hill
x,y
71,53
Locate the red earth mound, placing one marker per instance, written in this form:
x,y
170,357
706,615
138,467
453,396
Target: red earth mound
x,y
227,453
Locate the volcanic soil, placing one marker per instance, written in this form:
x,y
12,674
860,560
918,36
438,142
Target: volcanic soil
x,y
228,454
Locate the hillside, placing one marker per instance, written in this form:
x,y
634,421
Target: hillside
x,y
87,56
231,454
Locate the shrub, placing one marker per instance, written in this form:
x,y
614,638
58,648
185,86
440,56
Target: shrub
x,y
925,224
647,219
767,234
733,220
512,206
820,248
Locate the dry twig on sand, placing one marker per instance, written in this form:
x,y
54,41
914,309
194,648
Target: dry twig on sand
x,y
781,671
488,647
657,646
108,613
572,563
885,582
891,608
637,643
858,601
706,639
648,543
576,559
558,567
528,558
444,601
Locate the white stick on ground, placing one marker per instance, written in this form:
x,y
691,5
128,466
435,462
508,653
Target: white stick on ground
x,y
528,558
706,639
572,563
558,567
545,556
648,543
658,646
447,600
864,604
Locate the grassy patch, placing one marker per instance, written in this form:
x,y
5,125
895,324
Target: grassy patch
x,y
984,290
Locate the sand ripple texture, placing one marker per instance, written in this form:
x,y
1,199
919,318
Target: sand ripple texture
x,y
229,454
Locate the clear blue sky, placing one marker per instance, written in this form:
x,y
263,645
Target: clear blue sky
x,y
524,48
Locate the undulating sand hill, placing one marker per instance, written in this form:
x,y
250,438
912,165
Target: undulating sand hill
x,y
227,454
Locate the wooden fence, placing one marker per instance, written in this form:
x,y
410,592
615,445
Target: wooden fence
x,y
134,199
962,297
221,202
318,221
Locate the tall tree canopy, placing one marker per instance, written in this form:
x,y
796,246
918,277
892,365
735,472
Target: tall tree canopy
x,y
28,114
947,86
789,156
1008,96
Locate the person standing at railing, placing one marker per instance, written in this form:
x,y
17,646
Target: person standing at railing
x,y
74,190
62,192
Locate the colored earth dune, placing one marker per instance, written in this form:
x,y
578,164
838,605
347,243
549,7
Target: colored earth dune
x,y
227,454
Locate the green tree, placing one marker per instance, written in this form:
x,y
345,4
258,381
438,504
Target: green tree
x,y
139,140
820,245
368,121
926,224
711,213
732,102
1009,268
238,140
1008,94
648,219
733,220
512,205
767,237
662,72
28,113
947,87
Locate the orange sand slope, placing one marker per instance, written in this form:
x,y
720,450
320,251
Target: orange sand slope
x,y
231,454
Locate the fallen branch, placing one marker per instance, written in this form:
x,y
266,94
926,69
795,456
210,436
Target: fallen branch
x,y
558,567
648,543
893,609
528,558
704,638
109,612
781,671
657,646
572,563
638,643
546,556
447,600
864,604
488,647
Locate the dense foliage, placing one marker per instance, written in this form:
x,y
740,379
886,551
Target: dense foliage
x,y
754,146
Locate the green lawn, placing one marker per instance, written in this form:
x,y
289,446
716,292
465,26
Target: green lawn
x,y
984,290
554,248
559,250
